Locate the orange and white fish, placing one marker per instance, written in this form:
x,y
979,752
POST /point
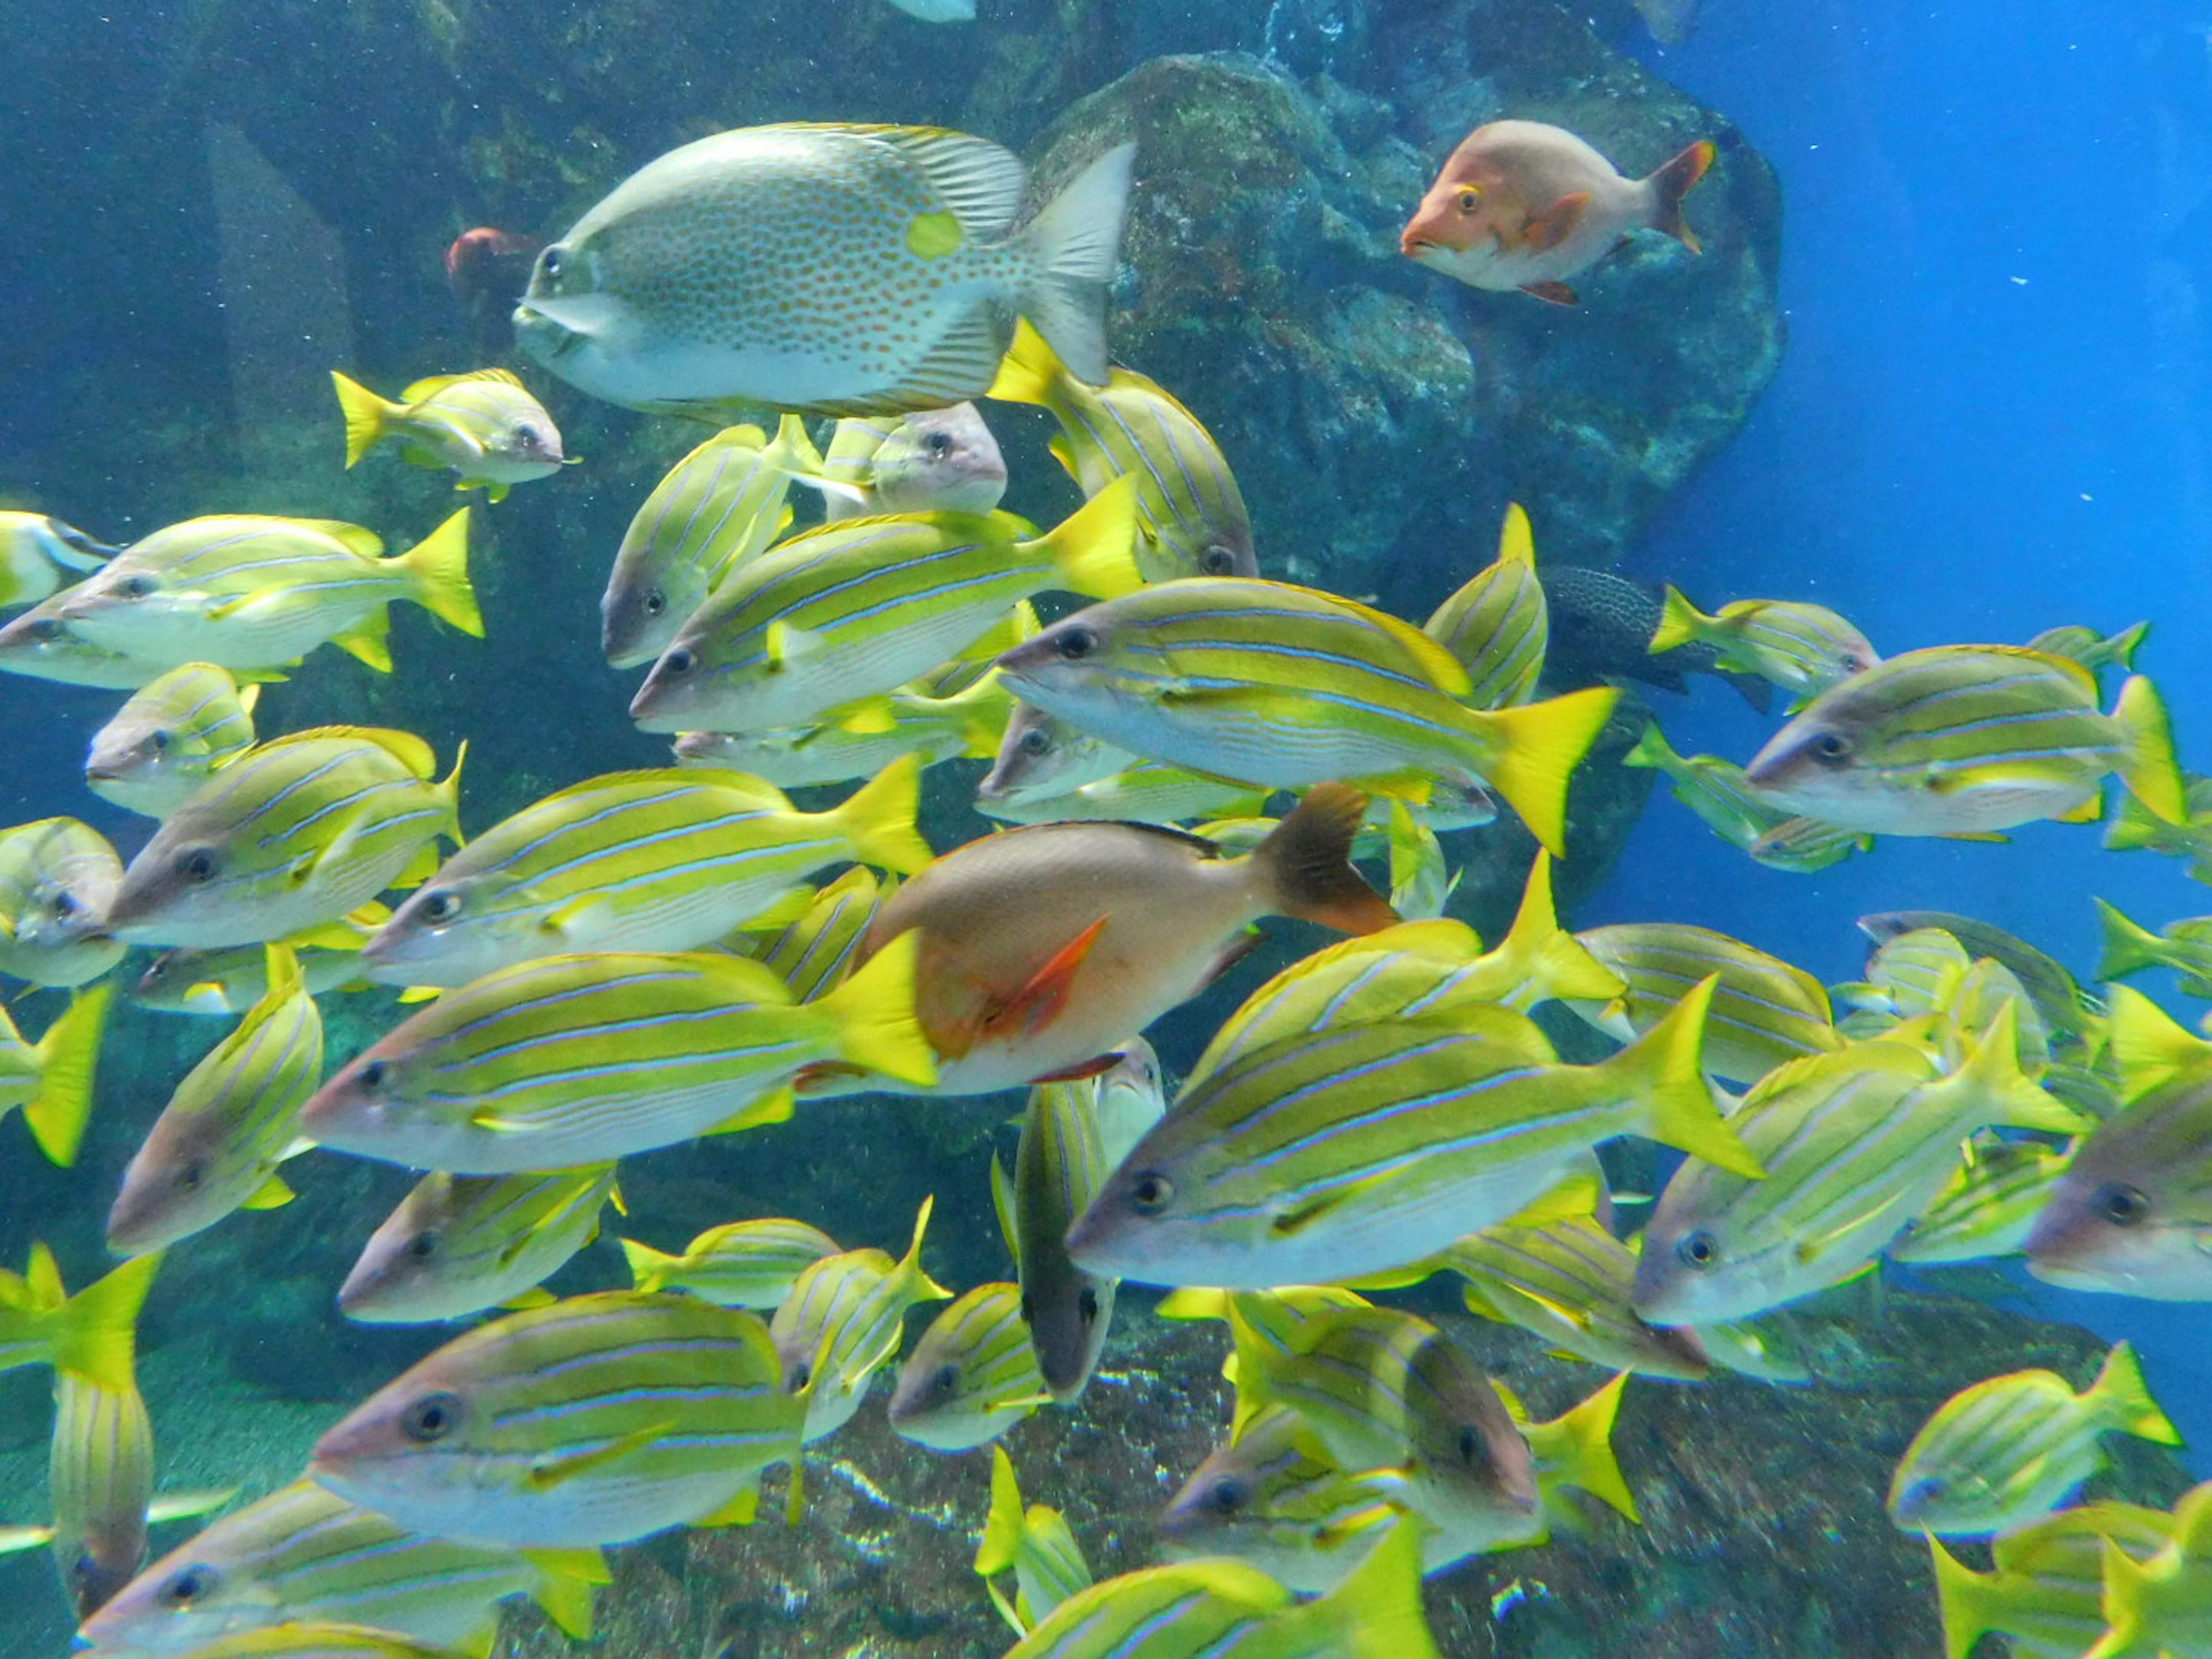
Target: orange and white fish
x,y
1521,204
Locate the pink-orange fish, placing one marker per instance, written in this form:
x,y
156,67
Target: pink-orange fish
x,y
1521,204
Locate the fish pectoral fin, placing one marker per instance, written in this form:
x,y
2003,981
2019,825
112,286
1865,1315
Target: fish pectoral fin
x,y
491,1119
2091,810
1044,999
1575,1318
247,604
271,1194
330,854
740,1511
1291,1223
869,718
546,1476
1556,223
776,1108
536,1296
422,993
574,918
788,645
1096,1066
187,1503
1558,294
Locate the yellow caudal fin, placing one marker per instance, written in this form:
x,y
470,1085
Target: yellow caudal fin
x,y
874,1010
437,567
919,1286
95,1333
1664,1069
878,818
649,1269
1577,1450
67,1056
1992,1075
1376,1612
1095,546
1652,750
2122,1399
2147,1044
1971,1606
366,415
1540,743
2147,765
1002,1526
1539,960
1029,372
564,1596
448,794
2129,947
1680,622
1516,543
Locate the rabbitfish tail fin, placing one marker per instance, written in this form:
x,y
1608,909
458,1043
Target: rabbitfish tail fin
x,y
1095,546
2124,1401
366,415
874,1010
1540,745
1307,862
1661,1070
67,1056
1671,183
1076,242
2147,765
878,818
438,566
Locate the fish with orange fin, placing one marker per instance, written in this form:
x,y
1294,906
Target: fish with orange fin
x,y
1522,205
1043,949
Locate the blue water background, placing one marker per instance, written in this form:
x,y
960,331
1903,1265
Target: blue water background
x,y
1991,418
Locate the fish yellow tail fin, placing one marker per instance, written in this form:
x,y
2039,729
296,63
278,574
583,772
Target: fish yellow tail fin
x,y
1075,245
908,1272
2123,1399
1663,1069
1029,372
1539,960
67,1056
1002,1526
564,1593
1652,750
1307,861
367,416
1680,622
2129,947
95,1333
874,1010
1970,1603
878,818
437,567
448,793
2003,1093
1672,183
650,1269
1376,1612
1577,1450
1541,745
2148,766
1516,542
1095,546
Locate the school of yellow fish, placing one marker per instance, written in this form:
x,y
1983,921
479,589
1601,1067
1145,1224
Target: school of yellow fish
x,y
644,958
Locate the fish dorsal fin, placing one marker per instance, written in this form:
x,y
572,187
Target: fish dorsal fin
x,y
981,183
405,747
356,538
2073,671
1435,661
435,384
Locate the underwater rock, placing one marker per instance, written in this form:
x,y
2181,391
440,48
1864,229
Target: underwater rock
x,y
1378,414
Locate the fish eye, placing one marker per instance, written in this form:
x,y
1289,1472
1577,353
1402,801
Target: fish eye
x,y
159,738
1470,197
1076,641
197,864
424,1244
135,587
1927,1490
946,1380
1086,1305
1831,748
1152,1192
2121,1204
796,1379
45,630
1473,1451
549,263
1217,561
371,1076
1036,741
655,602
191,1175
1227,1496
432,1417
1698,1249
64,907
939,444
526,434
677,661
84,1569
194,1583
441,904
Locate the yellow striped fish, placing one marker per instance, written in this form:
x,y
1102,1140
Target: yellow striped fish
x,y
101,1476
1856,1144
52,1079
1764,1011
595,1420
1497,625
38,644
585,1058
1719,793
459,1244
2184,945
860,741
293,835
843,1321
2135,827
2046,1589
1572,1283
1059,1167
231,978
484,425
172,735
860,607
226,1127
1191,519
1368,1145
1036,1544
658,860
302,1553
810,954
2154,1599
58,881
250,593
1991,1205
929,460
2093,650
716,510
1803,648
2010,1448
39,555
1280,686
741,1264
1965,740
972,1375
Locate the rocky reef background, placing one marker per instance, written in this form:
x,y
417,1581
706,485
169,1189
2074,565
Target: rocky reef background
x,y
213,204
